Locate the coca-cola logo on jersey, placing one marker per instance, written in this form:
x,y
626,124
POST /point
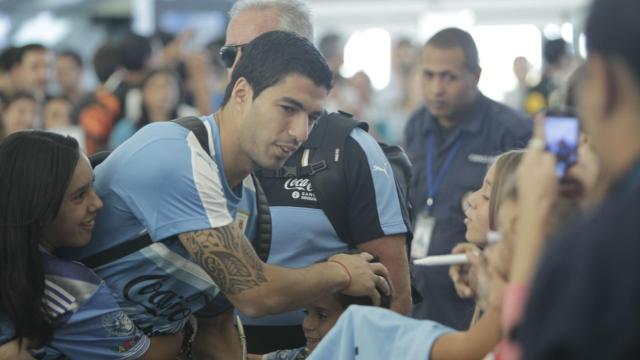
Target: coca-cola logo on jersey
x,y
298,184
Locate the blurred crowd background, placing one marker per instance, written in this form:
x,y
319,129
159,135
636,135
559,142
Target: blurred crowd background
x,y
99,70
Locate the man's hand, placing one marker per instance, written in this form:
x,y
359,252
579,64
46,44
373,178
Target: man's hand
x,y
366,278
391,250
259,289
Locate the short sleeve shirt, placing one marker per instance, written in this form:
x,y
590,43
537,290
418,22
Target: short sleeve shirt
x,y
89,324
161,181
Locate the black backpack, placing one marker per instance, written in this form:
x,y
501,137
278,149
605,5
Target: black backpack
x,y
325,169
261,244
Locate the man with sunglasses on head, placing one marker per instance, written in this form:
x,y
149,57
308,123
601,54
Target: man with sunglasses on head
x,y
164,182
374,219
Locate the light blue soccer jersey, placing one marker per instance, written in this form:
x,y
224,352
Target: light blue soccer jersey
x,y
89,324
161,181
371,333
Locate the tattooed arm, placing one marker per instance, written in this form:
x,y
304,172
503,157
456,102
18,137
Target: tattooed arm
x,y
259,289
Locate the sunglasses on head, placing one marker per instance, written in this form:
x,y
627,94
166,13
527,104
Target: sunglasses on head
x,y
228,54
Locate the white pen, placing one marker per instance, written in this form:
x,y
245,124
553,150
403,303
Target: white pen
x,y
455,259
436,260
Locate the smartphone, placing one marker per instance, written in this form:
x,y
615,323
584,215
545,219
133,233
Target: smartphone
x,y
562,133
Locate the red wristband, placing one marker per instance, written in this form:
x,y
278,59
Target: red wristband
x,y
346,270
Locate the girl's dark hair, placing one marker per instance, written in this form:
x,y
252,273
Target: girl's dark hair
x,y
36,169
144,116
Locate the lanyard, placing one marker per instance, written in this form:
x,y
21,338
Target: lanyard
x,y
431,185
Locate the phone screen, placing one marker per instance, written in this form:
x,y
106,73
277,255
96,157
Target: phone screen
x,y
562,133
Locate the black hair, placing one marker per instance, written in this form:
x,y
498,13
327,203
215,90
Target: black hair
x,y
8,58
19,95
50,98
347,300
135,50
270,57
144,116
573,84
554,50
106,61
22,51
72,55
330,45
457,38
36,170
613,30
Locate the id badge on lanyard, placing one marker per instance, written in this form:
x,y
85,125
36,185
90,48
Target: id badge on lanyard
x,y
425,222
422,235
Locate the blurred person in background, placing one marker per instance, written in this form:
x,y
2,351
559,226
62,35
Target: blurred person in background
x,y
558,65
97,112
21,113
451,140
69,74
7,60
33,68
57,113
360,82
515,98
343,96
194,67
395,103
135,61
161,101
56,117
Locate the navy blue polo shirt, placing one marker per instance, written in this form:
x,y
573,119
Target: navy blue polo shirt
x,y
488,129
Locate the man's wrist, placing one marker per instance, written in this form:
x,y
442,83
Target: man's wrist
x,y
345,275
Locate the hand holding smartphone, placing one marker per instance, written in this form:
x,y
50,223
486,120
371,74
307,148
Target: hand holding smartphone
x,y
562,134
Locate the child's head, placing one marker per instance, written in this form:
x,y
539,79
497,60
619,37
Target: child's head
x,y
21,113
480,205
322,314
499,256
161,92
57,113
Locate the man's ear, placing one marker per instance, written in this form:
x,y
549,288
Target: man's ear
x,y
242,93
476,76
609,83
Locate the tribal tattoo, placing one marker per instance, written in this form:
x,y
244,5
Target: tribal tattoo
x,y
227,257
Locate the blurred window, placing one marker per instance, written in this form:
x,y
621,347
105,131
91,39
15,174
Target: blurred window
x,y
369,51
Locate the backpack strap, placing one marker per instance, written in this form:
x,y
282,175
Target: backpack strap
x,y
326,147
262,243
196,126
263,231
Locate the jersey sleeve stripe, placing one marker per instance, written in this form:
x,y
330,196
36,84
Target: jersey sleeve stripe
x,y
208,184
